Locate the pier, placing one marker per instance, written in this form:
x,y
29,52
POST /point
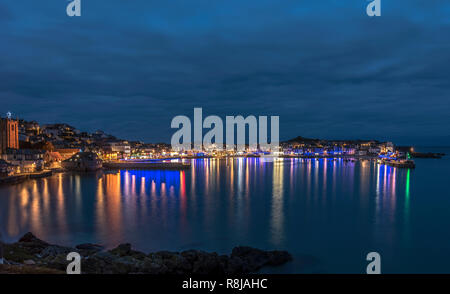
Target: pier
x,y
146,165
25,176
399,163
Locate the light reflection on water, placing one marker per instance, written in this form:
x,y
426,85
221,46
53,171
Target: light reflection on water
x,y
331,209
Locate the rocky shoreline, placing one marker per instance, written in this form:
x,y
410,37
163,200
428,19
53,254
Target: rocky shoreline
x,y
30,255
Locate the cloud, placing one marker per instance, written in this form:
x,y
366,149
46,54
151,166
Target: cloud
x,y
5,14
325,67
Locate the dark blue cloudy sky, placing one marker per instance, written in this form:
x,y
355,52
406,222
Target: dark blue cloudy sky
x,y
323,66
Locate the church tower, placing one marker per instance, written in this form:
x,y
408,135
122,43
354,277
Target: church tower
x,y
9,134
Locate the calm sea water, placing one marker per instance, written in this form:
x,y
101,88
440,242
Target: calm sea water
x,y
328,213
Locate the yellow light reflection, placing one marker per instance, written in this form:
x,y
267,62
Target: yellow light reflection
x,y
277,213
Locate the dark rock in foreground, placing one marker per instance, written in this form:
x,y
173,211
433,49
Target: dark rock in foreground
x,y
256,258
33,252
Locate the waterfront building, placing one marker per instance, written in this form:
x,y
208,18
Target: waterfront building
x,y
83,161
374,150
120,147
67,153
349,151
362,152
52,159
108,155
387,147
6,169
25,160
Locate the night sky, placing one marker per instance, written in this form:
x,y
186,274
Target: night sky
x,y
325,67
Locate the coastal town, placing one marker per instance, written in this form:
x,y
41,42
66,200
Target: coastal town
x,y
29,149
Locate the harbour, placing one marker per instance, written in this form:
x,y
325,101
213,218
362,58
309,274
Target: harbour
x,y
288,203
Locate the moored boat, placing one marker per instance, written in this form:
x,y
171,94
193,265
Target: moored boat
x,y
83,161
405,163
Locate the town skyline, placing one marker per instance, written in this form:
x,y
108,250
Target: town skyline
x,y
114,137
27,148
